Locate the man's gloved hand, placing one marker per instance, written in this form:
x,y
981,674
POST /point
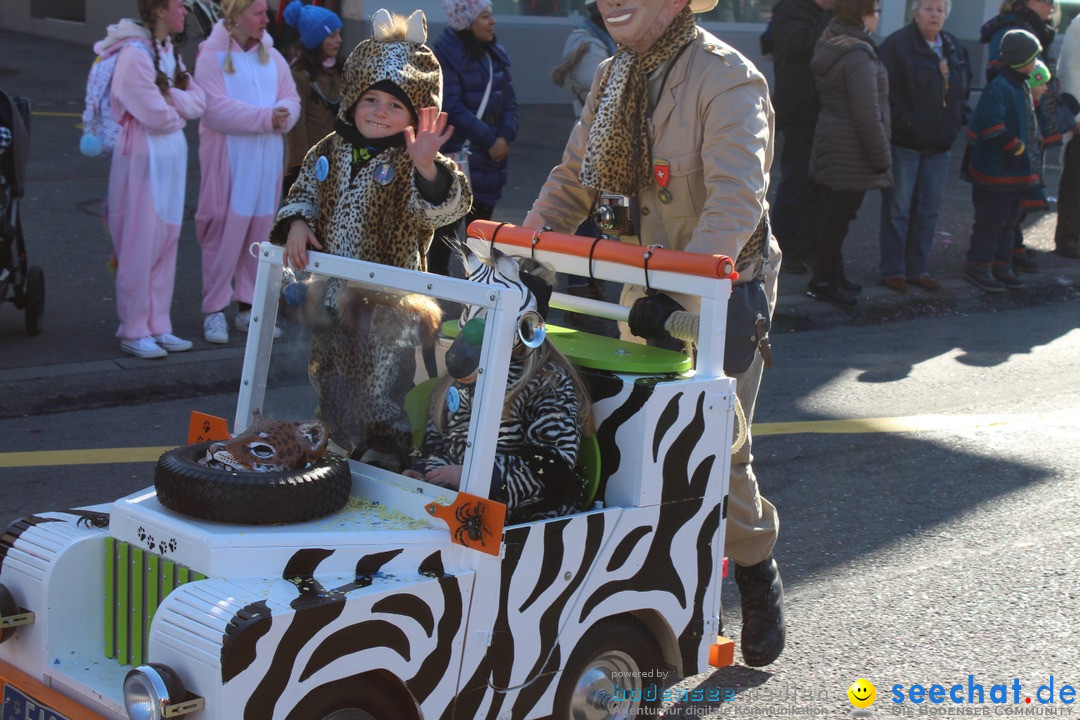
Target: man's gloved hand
x,y
648,315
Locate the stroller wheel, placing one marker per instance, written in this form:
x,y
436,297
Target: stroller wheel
x,y
35,299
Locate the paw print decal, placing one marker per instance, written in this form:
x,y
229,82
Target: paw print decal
x,y
164,547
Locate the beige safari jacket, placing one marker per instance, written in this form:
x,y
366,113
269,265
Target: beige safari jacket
x,y
713,123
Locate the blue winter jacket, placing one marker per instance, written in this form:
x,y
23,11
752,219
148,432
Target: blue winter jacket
x,y
1003,120
464,80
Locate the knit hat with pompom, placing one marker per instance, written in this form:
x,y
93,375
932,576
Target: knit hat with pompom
x,y
314,23
461,13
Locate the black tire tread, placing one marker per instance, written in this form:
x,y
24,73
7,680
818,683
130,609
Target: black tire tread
x,y
35,300
250,498
621,633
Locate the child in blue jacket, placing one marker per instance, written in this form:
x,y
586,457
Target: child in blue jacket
x,y
1004,162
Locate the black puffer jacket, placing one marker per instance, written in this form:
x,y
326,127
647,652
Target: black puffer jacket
x,y
851,143
927,111
796,27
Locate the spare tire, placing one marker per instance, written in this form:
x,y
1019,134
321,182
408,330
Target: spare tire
x,y
250,498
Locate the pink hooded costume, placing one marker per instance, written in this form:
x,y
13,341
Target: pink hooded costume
x,y
147,178
240,155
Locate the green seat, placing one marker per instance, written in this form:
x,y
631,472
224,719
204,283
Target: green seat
x,y
416,405
588,464
599,352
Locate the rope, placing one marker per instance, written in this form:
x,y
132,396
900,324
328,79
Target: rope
x,y
683,325
740,427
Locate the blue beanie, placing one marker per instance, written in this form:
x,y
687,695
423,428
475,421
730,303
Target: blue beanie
x,y
315,23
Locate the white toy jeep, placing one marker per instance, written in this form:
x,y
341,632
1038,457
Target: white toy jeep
x,y
382,609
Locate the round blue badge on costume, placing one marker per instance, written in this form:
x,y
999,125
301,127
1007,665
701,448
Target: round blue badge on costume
x,y
384,174
322,168
453,399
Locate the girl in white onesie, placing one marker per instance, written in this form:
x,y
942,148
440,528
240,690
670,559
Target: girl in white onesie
x,y
251,102
152,97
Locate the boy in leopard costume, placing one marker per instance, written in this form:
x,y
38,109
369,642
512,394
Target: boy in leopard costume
x,y
375,189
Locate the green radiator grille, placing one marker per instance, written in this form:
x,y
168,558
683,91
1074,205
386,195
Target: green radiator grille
x,y
136,582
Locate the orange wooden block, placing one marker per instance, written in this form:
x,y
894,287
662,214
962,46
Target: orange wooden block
x,y
475,522
204,428
722,653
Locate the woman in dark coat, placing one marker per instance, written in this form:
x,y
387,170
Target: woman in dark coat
x,y
470,59
851,142
929,87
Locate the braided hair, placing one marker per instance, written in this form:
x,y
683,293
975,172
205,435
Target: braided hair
x,y
230,9
148,14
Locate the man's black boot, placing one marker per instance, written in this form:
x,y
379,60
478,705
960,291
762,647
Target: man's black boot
x,y
762,597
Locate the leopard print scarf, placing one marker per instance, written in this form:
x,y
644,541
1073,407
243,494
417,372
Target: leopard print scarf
x,y
616,154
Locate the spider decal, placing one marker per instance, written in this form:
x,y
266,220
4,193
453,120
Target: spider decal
x,y
472,523
471,520
90,519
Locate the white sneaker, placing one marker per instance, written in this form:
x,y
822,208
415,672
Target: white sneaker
x,y
172,343
243,322
215,329
143,348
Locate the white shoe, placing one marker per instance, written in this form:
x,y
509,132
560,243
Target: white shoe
x,y
172,343
143,348
215,329
243,322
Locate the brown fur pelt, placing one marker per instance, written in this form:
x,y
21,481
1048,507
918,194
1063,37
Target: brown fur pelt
x,y
363,362
354,307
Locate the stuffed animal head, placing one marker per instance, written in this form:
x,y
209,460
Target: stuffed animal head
x,y
270,446
463,357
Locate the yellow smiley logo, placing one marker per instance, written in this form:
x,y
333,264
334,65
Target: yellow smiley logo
x,y
862,693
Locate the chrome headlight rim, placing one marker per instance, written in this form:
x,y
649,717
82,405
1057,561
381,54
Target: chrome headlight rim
x,y
154,682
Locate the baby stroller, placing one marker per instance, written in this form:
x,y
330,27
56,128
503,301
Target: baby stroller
x,y
24,283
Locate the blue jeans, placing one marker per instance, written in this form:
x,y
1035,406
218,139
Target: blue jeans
x,y
909,212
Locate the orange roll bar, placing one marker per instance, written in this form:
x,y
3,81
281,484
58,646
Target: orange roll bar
x,y
677,261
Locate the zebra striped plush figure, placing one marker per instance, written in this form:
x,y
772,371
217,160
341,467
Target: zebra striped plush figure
x,y
546,405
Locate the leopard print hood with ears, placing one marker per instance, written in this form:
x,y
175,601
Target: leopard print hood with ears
x,y
395,52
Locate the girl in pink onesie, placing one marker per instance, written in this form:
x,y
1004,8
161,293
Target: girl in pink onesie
x,y
152,97
251,102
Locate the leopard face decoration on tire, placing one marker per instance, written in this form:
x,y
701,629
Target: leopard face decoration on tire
x,y
270,446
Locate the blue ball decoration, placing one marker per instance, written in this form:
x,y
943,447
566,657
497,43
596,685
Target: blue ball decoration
x,y
295,293
90,145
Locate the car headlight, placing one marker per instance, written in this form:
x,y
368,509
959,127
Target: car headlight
x,y
150,690
11,615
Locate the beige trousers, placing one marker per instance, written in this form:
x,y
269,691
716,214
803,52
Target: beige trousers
x,y
752,521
